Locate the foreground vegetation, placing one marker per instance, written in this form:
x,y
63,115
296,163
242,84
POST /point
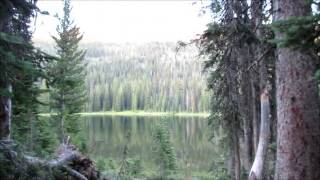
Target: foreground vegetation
x,y
138,169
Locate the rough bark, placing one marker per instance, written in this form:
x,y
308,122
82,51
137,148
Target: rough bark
x,y
257,170
234,118
255,121
234,164
245,106
237,162
298,128
230,162
247,129
5,113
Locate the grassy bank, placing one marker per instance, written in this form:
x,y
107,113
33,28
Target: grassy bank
x,y
140,113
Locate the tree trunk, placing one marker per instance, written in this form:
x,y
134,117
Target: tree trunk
x,y
234,163
237,162
257,170
62,120
298,141
5,113
257,15
245,106
230,161
255,121
30,115
247,143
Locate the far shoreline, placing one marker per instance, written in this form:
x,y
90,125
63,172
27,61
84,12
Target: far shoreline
x,y
140,113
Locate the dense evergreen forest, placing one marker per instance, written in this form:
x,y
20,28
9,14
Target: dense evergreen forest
x,y
151,76
263,62
261,58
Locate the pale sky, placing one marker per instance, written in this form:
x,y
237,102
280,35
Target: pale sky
x,y
127,21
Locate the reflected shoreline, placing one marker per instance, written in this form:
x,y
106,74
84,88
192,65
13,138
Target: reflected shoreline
x,y
106,137
140,113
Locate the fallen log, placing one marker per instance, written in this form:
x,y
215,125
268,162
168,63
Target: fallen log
x,y
75,173
65,156
68,159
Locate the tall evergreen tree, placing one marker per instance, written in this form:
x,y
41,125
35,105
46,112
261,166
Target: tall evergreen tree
x,y
298,126
67,95
238,55
21,66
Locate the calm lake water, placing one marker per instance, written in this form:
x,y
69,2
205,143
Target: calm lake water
x,y
107,137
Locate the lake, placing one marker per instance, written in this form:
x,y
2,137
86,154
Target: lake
x,y
107,137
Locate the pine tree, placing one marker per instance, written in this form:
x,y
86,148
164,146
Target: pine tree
x,y
67,94
163,148
21,67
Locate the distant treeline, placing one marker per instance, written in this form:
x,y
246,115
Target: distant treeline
x,y
150,76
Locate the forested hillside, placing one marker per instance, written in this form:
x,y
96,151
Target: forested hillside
x,y
257,62
149,76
